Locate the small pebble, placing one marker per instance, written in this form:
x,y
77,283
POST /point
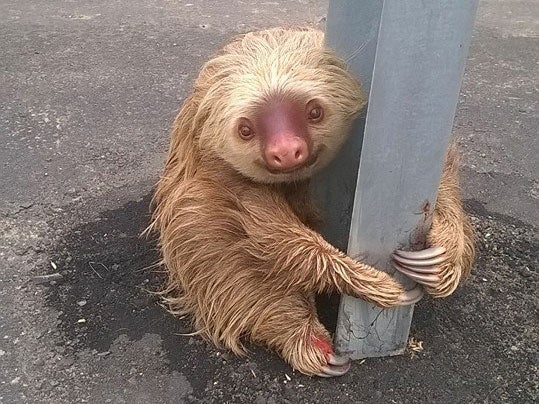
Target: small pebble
x,y
225,356
525,272
67,362
21,250
260,400
39,362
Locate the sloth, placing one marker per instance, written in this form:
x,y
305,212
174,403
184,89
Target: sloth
x,y
233,213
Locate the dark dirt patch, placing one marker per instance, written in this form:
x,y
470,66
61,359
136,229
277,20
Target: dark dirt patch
x,y
108,265
480,344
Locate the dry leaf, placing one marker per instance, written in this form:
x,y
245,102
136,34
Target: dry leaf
x,y
415,344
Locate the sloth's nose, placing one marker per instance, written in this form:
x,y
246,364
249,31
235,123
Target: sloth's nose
x,y
286,152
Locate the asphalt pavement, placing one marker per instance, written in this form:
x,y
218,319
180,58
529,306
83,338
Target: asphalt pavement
x,y
88,91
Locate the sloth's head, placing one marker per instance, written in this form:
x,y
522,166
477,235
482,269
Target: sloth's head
x,y
277,105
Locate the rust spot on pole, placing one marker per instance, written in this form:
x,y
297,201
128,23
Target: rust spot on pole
x,y
418,238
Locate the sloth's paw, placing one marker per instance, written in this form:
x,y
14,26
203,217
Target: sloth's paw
x,y
433,268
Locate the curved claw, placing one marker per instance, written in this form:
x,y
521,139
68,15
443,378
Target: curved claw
x,y
337,360
333,370
336,365
427,253
423,279
420,270
411,296
419,262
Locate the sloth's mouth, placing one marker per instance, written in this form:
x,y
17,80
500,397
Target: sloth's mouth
x,y
311,162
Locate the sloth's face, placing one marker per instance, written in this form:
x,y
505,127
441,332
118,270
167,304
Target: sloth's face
x,y
278,109
284,139
285,136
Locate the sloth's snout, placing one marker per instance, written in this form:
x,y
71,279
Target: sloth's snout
x,y
286,153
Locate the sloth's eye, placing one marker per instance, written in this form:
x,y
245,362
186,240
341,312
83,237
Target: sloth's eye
x,y
316,113
245,132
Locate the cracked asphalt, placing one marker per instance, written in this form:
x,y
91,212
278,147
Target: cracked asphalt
x,y
88,92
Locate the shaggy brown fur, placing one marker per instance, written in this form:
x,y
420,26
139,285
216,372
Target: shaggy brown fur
x,y
452,230
243,258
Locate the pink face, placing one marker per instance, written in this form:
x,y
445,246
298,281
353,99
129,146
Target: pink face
x,y
282,128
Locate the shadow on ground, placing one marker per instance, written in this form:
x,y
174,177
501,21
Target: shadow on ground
x,y
479,344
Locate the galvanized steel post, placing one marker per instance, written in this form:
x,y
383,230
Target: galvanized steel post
x,y
379,192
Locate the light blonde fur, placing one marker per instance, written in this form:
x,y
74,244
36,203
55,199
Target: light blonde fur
x,y
243,257
452,230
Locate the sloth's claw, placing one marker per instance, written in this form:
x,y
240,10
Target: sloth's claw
x,y
422,278
336,365
420,270
427,253
411,296
420,266
335,370
438,259
337,360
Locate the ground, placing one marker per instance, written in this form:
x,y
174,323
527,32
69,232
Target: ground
x,y
88,94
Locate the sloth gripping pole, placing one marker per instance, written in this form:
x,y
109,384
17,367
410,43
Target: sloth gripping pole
x,y
379,193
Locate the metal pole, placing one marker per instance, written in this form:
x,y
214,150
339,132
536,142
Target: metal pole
x,y
410,55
